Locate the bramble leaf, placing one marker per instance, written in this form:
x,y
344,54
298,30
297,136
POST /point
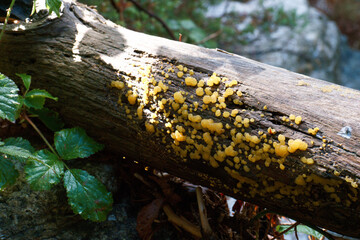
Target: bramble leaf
x,y
44,170
8,173
15,151
9,98
73,143
26,79
53,5
36,98
19,142
87,196
300,229
49,117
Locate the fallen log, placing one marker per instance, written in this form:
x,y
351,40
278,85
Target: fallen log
x,y
266,135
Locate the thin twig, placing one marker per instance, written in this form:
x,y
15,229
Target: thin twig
x,y
285,231
168,30
118,9
175,219
7,17
203,215
296,234
40,133
211,36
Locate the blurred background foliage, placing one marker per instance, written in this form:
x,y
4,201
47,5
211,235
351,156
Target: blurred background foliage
x,y
190,18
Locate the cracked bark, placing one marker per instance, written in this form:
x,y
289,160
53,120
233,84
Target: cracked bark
x,y
77,56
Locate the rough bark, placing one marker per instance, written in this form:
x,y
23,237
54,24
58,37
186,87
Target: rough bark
x,y
76,58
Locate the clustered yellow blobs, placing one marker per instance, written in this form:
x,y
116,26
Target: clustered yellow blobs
x,y
313,131
149,127
353,183
299,180
190,81
213,80
231,144
308,161
298,120
117,84
178,97
132,98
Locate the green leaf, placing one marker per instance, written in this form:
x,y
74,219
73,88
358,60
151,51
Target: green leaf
x,y
53,5
87,195
19,142
8,173
26,79
44,170
300,229
49,117
36,98
74,143
15,151
9,102
187,24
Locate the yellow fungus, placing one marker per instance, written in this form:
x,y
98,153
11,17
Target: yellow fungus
x,y
281,138
157,89
229,151
218,113
117,84
246,168
234,112
178,136
298,120
239,93
300,181
271,130
208,91
194,118
140,111
201,83
207,99
178,97
191,72
213,127
132,98
228,92
149,127
200,91
190,81
281,166
292,117
180,74
226,114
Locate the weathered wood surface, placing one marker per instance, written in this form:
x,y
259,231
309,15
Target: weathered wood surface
x,y
77,56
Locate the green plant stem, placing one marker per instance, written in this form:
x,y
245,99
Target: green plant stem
x,y
285,231
7,17
41,135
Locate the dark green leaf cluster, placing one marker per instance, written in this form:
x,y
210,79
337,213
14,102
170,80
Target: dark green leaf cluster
x,y
44,168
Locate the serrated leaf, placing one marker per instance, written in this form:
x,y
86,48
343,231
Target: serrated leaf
x,y
9,102
15,151
74,143
36,98
300,229
44,170
49,117
53,5
87,196
8,173
26,79
19,142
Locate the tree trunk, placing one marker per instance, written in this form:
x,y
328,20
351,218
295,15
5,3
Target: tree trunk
x,y
132,92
